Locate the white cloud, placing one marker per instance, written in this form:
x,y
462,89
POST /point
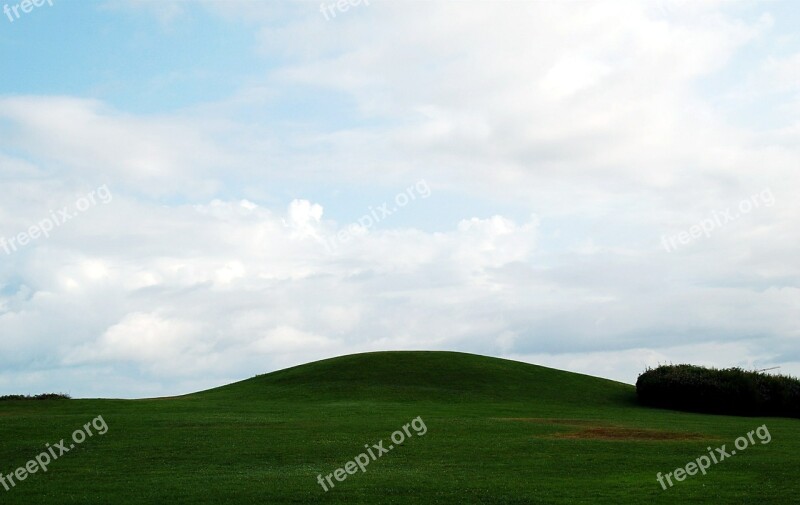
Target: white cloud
x,y
143,338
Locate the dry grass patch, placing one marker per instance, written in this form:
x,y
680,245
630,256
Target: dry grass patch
x,y
617,433
595,430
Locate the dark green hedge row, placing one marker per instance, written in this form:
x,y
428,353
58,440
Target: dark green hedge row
x,y
727,391
45,396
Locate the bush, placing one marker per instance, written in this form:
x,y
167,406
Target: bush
x,y
727,391
44,396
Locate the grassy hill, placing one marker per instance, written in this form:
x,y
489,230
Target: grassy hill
x,y
427,376
496,431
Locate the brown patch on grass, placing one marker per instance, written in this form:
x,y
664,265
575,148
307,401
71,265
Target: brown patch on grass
x,y
617,433
597,430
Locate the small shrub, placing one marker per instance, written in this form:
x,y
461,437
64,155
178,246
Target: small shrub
x,y
14,397
52,396
44,396
726,391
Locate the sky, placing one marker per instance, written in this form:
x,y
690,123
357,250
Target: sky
x,y
196,192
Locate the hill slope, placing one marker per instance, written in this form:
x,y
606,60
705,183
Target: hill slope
x,y
428,376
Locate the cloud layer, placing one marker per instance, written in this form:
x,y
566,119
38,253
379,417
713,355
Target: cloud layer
x,y
566,140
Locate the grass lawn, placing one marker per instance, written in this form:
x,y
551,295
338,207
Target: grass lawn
x,y
498,431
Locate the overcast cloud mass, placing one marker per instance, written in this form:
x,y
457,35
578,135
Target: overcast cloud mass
x,y
592,186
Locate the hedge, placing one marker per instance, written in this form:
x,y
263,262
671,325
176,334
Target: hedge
x,y
726,391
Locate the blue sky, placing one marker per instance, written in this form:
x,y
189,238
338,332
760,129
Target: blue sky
x,y
559,146
126,58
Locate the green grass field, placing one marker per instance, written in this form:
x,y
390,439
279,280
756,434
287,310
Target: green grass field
x,y
498,431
